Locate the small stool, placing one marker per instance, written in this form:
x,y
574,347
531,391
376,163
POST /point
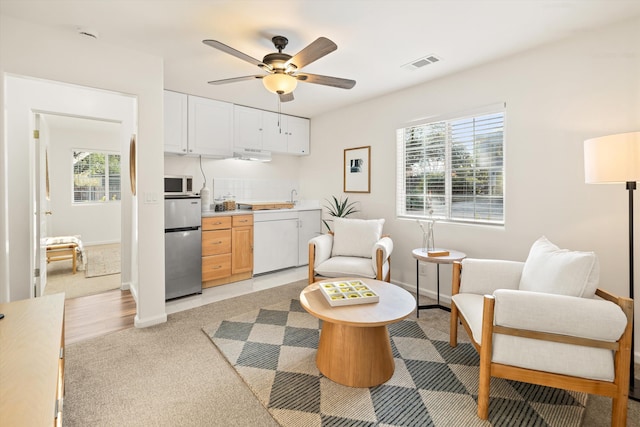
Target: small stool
x,y
62,252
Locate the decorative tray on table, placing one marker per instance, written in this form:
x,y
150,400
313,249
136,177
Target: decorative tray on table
x,y
348,292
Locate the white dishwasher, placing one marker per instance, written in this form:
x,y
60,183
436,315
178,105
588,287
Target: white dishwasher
x,y
275,240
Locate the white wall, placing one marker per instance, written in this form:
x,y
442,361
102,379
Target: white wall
x,y
557,96
96,223
59,54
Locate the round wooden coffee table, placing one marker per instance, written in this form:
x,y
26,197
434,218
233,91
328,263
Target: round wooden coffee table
x,y
354,348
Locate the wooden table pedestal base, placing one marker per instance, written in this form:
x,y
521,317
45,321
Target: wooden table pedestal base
x,y
355,356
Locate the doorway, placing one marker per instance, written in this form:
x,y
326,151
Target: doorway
x,y
81,178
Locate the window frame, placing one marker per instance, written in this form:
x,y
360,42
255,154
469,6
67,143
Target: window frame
x,y
448,216
107,177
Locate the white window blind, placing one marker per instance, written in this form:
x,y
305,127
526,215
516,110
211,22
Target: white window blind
x,y
96,177
452,169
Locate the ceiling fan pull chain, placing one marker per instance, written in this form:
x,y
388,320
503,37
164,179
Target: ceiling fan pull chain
x,y
279,115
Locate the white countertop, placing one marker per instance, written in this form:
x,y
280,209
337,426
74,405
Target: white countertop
x,y
299,206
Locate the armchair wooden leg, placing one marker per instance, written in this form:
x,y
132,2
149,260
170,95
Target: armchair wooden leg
x,y
312,256
453,325
485,357
455,288
380,268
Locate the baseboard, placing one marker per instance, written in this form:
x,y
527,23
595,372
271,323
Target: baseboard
x,y
134,292
149,322
106,242
126,286
424,292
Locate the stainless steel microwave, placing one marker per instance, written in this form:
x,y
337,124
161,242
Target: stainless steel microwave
x,y
178,185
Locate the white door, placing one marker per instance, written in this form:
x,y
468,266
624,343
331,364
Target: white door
x,y
42,208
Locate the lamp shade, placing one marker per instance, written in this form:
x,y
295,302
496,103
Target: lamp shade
x,y
279,83
612,159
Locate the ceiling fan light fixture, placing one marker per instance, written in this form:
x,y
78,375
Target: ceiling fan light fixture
x,y
279,83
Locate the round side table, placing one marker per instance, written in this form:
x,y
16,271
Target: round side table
x,y
421,255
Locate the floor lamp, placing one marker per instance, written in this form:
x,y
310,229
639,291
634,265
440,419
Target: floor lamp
x,y
616,159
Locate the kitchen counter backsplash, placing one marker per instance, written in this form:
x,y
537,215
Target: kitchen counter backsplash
x,y
255,189
302,205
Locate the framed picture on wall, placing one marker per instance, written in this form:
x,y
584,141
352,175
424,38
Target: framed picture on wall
x,y
357,170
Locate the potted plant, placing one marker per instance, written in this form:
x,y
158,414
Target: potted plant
x,y
339,208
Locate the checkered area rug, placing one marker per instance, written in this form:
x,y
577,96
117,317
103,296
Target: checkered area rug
x,y
273,349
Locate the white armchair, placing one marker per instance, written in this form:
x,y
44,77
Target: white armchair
x,y
355,248
544,322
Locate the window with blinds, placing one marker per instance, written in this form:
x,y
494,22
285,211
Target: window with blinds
x,y
453,169
96,177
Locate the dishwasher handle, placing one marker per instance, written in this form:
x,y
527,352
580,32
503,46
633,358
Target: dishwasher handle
x,y
181,229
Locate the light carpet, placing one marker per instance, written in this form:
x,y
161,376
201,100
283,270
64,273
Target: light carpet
x,y
273,350
103,260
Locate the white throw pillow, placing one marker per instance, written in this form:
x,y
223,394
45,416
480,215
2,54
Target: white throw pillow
x,y
552,270
355,237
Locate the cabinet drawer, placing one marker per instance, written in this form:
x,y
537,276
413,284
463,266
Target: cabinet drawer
x,y
242,220
216,267
216,242
216,223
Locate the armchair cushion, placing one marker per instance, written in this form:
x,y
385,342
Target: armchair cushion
x,y
552,270
386,245
323,244
483,276
346,266
355,237
558,358
589,318
559,314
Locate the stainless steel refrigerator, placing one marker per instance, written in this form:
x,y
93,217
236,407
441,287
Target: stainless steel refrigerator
x,y
182,246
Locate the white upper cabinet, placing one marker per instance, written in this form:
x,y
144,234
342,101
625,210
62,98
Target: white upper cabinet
x,y
175,122
274,132
297,135
197,126
210,127
201,126
265,130
248,129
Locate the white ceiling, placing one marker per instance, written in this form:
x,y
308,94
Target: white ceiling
x,y
375,38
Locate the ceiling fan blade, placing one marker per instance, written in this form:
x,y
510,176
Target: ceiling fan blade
x,y
231,51
326,80
233,80
316,50
286,97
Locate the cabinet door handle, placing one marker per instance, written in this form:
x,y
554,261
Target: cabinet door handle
x,y
217,267
218,242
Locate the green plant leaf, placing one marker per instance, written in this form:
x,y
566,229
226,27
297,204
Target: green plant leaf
x,y
339,208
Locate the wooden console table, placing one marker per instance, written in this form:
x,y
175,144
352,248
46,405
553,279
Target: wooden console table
x,y
32,361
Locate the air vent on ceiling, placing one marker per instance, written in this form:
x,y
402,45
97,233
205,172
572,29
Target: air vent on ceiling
x,y
422,62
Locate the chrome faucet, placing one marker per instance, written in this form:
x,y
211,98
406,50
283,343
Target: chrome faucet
x,y
292,192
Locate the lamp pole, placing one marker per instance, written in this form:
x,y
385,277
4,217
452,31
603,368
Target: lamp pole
x,y
615,159
634,392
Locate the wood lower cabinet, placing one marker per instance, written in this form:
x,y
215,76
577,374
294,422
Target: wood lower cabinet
x,y
227,249
32,361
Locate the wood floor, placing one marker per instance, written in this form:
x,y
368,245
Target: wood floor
x,y
95,315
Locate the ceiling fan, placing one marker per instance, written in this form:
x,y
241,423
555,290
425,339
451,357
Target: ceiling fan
x,y
282,69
